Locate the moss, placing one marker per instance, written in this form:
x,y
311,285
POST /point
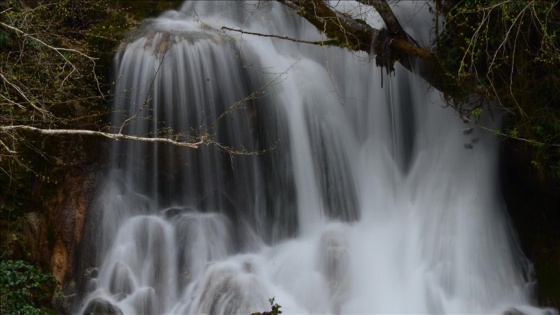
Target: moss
x,y
105,36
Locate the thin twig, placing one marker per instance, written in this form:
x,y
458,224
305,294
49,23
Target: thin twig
x,y
320,43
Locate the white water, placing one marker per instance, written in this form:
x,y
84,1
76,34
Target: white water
x,y
366,199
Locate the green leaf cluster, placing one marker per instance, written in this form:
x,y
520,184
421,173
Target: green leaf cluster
x,y
507,54
24,289
274,309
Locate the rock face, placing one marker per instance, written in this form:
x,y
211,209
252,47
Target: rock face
x,y
67,211
50,235
66,217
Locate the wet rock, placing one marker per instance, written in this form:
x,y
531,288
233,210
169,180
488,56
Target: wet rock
x,y
100,306
122,280
230,290
512,311
526,310
173,212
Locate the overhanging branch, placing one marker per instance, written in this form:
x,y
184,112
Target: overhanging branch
x,y
389,45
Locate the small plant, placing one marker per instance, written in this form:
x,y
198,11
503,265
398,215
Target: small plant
x,y
24,289
275,309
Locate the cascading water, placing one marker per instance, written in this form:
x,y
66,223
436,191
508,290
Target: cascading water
x,y
362,199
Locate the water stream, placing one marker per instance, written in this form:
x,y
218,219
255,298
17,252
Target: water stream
x,y
335,188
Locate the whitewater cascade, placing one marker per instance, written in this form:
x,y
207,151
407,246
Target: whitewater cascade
x,y
367,195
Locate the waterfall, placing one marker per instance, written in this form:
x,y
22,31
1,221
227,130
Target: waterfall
x,y
329,185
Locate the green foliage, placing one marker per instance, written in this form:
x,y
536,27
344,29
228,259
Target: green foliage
x,y
507,54
275,309
49,79
48,73
24,289
55,57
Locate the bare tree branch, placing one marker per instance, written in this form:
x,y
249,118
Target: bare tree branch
x,y
7,148
113,136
